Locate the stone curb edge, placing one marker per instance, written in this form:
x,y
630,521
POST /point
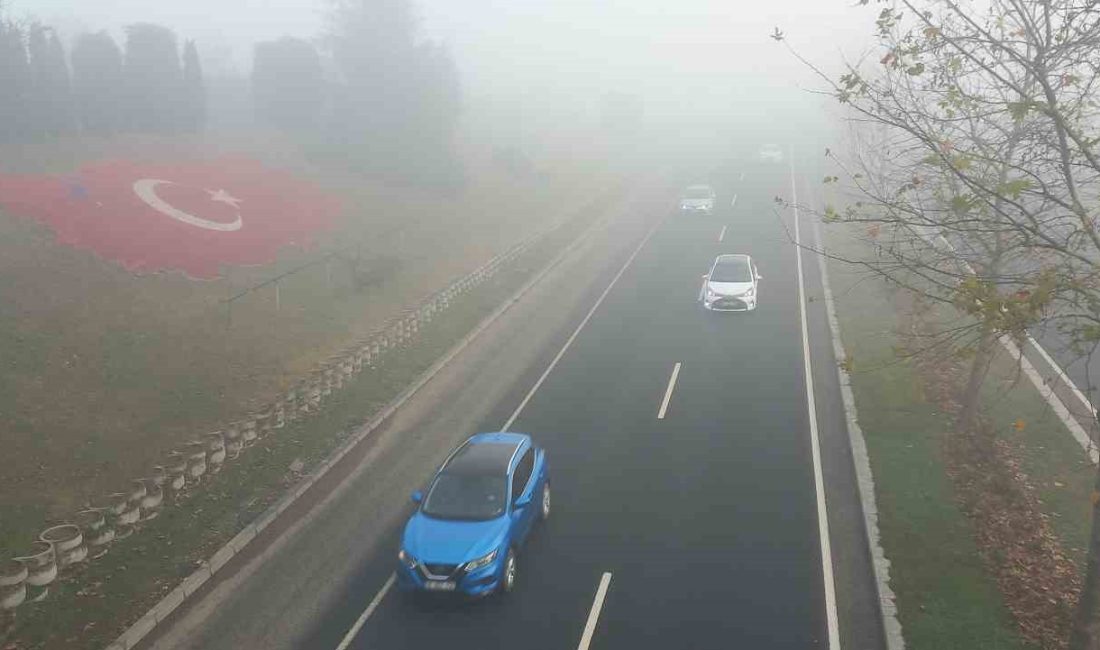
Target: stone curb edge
x,y
888,610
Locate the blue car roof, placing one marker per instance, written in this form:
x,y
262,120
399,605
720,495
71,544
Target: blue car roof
x,y
500,436
485,453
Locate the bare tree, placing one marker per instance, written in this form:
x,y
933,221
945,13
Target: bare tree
x,y
981,191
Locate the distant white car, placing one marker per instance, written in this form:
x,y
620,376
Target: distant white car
x,y
698,198
771,152
731,284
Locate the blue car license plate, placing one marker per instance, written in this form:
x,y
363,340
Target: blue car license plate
x,y
440,585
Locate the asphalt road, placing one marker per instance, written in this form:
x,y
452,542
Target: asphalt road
x,y
705,518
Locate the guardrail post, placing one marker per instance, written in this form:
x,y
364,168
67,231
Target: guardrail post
x,y
41,565
13,587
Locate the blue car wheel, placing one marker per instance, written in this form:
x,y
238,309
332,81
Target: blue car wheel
x,y
508,582
544,512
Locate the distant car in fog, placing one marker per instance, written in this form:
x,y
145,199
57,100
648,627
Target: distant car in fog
x,y
771,152
698,198
731,284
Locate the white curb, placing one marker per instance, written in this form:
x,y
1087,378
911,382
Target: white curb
x,y
864,477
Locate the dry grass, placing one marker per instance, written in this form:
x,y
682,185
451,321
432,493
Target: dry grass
x,y
97,601
103,372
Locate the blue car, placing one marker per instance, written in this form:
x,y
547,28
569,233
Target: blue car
x,y
480,507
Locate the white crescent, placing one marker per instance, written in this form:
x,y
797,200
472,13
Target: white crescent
x,y
146,190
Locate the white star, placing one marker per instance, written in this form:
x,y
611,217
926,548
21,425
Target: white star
x,y
221,196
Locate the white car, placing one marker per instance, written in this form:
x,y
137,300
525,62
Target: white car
x,y
771,152
731,285
698,198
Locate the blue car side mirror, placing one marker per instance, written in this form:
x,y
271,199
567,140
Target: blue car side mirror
x,y
522,502
417,496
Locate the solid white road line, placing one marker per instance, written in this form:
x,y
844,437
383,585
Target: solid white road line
x,y
668,391
594,613
733,203
350,636
1042,384
576,332
722,235
1061,374
815,445
1042,351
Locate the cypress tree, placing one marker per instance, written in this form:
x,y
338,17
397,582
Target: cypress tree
x,y
194,99
97,83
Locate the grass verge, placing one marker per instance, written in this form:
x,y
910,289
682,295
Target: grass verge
x,y
1054,464
946,599
89,610
104,372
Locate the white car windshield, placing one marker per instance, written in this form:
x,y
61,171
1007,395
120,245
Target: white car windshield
x,y
697,193
735,269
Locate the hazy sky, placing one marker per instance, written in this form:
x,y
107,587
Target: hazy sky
x,y
688,56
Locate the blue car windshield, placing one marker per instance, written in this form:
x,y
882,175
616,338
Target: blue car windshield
x,y
465,496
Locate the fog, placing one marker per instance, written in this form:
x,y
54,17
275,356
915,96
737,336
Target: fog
x,y
691,61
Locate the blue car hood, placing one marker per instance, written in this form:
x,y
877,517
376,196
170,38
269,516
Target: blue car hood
x,y
452,542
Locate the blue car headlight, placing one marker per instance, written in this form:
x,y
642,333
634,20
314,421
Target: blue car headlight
x,y
406,559
481,562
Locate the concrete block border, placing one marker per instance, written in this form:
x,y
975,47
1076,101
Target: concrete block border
x,y
137,632
864,476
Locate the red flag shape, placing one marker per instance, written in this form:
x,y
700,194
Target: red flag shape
x,y
194,217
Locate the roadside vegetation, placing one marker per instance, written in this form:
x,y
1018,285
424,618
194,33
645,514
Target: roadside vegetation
x,y
945,597
91,607
971,176
106,371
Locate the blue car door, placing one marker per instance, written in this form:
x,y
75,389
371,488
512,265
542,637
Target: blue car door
x,y
523,485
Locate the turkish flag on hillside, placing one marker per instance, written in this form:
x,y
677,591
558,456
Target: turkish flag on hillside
x,y
195,217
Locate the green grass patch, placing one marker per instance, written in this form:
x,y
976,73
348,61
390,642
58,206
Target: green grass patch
x,y
1055,464
946,600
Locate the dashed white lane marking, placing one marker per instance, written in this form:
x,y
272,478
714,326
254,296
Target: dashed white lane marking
x,y
594,613
668,391
733,203
350,636
815,445
742,176
576,332
722,235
